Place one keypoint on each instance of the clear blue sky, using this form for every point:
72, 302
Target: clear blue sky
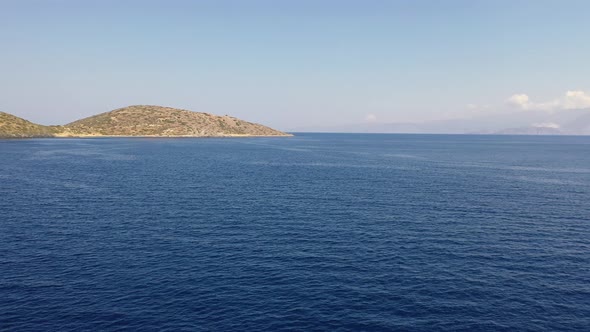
288, 63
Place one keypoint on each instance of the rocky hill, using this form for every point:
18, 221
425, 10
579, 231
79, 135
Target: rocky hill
141, 120
15, 127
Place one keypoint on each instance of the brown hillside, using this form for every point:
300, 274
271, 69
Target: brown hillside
14, 127
144, 120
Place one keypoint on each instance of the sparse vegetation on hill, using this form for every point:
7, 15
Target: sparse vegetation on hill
141, 120
15, 127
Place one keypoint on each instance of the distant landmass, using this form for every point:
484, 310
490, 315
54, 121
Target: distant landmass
565, 122
141, 121
15, 127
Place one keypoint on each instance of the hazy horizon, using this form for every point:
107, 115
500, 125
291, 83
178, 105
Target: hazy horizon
292, 65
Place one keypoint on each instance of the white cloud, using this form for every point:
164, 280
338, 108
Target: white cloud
371, 118
477, 107
576, 100
519, 100
546, 125
571, 100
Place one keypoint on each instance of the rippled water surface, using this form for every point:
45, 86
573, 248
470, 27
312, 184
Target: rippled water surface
316, 232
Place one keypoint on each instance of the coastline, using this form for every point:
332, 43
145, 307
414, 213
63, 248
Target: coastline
60, 136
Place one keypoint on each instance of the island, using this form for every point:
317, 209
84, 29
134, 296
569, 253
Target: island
139, 121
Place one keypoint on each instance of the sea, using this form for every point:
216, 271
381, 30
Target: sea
317, 232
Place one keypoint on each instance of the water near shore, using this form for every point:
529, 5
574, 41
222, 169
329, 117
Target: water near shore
315, 232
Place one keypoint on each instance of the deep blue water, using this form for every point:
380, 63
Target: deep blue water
331, 232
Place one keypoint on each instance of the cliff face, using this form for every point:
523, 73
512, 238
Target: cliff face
152, 121
15, 127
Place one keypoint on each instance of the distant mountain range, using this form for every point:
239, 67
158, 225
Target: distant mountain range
139, 120
566, 122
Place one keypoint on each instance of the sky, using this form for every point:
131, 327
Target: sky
294, 63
